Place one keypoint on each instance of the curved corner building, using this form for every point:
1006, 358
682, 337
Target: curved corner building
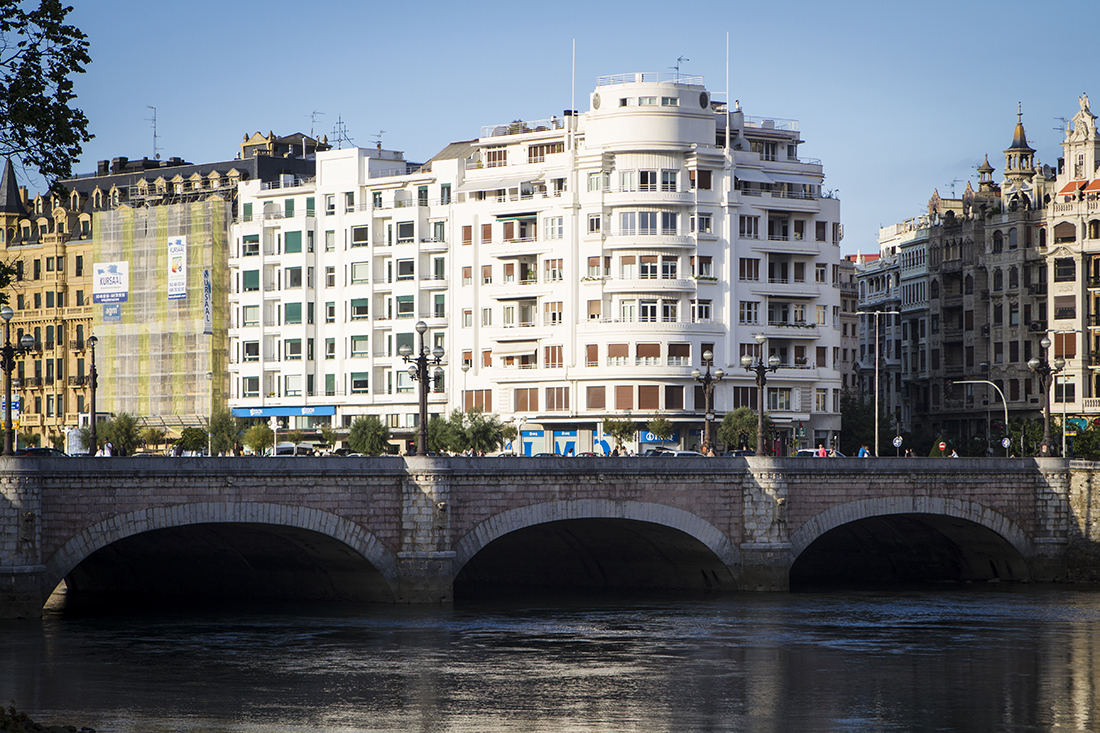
573, 268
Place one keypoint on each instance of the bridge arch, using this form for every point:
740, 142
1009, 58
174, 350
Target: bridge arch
675, 525
106, 532
933, 510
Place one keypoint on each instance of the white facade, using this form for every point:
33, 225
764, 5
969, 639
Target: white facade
579, 266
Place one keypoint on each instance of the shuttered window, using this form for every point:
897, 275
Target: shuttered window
596, 399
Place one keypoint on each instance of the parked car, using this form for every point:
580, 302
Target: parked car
740, 452
812, 453
41, 453
684, 453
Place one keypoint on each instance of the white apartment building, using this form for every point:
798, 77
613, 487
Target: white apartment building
573, 269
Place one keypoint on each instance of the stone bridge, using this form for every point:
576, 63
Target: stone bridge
418, 530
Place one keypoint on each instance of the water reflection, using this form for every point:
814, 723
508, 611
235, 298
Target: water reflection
983, 659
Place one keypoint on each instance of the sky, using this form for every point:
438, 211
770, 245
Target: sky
897, 98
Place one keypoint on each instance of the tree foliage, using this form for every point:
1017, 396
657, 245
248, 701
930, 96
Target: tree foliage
152, 437
738, 429
661, 427
259, 438
122, 432
472, 431
369, 435
223, 432
39, 56
620, 429
193, 440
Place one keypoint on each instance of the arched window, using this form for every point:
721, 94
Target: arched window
998, 241
935, 289
1012, 243
1094, 229
968, 285
1042, 236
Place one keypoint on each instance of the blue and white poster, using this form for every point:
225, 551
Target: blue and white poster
110, 282
177, 268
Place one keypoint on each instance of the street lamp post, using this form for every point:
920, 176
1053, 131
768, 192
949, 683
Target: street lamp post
7, 363
876, 314
1045, 372
708, 381
465, 368
93, 382
418, 370
1004, 402
761, 369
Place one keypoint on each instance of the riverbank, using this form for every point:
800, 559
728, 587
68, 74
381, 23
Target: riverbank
13, 721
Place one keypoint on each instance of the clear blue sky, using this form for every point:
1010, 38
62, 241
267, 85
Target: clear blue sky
897, 98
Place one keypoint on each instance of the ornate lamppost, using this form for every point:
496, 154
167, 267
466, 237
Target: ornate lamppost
7, 363
93, 382
708, 381
418, 370
761, 369
1045, 372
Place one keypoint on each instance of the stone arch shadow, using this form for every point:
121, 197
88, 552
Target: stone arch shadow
884, 507
104, 533
666, 518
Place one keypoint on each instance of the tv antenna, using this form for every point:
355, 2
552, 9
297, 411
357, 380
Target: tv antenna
153, 119
1063, 120
313, 119
340, 134
679, 61
378, 139
952, 183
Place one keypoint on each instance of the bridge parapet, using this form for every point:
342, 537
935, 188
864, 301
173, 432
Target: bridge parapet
420, 519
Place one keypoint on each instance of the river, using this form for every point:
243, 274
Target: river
990, 658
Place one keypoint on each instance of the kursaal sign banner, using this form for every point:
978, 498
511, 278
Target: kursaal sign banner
110, 282
177, 268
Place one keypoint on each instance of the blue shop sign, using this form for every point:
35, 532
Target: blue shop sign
310, 411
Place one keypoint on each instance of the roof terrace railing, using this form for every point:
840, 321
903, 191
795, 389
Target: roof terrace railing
649, 77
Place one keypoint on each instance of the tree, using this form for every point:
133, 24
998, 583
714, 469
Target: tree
122, 432
193, 440
259, 438
330, 436
39, 55
223, 432
152, 437
438, 435
620, 429
294, 437
369, 435
738, 429
28, 438
484, 433
661, 427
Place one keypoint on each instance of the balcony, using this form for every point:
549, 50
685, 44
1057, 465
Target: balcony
1037, 326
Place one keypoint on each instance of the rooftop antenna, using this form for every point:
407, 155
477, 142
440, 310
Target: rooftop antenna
952, 183
378, 139
340, 133
153, 119
313, 119
679, 61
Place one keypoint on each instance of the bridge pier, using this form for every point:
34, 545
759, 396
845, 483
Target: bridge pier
425, 560
22, 574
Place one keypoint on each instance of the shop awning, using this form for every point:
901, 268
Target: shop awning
495, 184
796, 180
1093, 187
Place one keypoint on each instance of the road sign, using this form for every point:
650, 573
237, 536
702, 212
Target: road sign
897, 442
943, 446
1006, 442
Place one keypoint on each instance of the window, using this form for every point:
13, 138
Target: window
251, 351
467, 318
701, 224
250, 315
647, 101
749, 227
596, 398
779, 398
553, 313
250, 247
292, 349
496, 157
250, 281
553, 227
405, 270
628, 223
701, 311
349, 201
557, 399
445, 194
330, 204
293, 277
821, 227
648, 267
669, 223
552, 357
749, 311
292, 243
360, 382
486, 274
1064, 269
292, 313
704, 266
359, 237
749, 269
1065, 306
405, 231
669, 268
647, 180
359, 347
700, 179
359, 309
250, 387
405, 306
486, 316
668, 180
647, 223
820, 273
670, 101
553, 270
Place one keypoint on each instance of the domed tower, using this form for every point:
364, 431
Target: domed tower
985, 175
1019, 167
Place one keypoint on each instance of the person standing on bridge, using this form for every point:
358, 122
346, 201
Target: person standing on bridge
863, 452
